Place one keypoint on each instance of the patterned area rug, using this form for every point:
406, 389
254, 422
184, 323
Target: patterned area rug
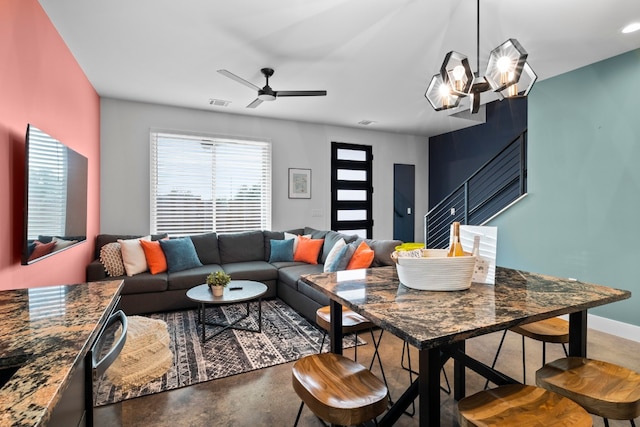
286, 336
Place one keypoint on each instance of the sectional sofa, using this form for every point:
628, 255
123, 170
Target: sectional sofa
245, 256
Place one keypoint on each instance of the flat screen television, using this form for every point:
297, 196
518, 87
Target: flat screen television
55, 199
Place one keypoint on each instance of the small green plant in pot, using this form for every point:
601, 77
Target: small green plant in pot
217, 281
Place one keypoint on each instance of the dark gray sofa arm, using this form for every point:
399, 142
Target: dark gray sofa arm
95, 271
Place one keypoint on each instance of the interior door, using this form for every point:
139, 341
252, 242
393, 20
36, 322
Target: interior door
404, 202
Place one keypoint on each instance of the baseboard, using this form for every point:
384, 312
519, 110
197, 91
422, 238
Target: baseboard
612, 327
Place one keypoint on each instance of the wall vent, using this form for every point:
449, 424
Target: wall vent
219, 102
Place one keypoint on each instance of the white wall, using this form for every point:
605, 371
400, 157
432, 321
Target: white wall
124, 145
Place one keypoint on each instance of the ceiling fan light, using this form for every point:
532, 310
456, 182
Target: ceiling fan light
456, 73
505, 65
266, 96
439, 94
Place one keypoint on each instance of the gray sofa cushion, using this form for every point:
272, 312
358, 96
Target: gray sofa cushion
187, 279
315, 234
314, 294
239, 247
207, 248
296, 231
290, 275
383, 250
268, 236
330, 239
251, 270
144, 283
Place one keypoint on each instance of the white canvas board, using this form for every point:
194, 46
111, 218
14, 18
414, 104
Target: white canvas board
485, 269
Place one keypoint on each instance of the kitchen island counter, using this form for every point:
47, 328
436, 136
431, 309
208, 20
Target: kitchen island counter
48, 331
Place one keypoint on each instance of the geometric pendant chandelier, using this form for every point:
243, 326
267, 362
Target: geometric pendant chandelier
508, 74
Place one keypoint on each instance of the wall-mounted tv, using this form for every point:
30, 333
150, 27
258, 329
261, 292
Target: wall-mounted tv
55, 200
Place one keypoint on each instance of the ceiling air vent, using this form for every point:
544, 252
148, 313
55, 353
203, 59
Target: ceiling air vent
366, 122
219, 102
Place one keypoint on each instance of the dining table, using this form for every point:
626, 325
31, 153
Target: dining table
438, 323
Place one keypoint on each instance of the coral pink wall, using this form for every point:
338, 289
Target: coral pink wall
41, 83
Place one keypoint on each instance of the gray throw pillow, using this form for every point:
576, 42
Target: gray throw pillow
207, 248
342, 259
241, 247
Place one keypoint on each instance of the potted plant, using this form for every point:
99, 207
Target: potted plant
217, 281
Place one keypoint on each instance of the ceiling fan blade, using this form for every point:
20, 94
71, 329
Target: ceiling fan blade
238, 79
301, 93
255, 103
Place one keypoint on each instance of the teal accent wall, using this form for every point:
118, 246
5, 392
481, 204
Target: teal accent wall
581, 218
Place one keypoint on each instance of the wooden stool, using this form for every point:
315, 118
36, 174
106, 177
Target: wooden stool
338, 390
521, 405
352, 322
602, 388
554, 330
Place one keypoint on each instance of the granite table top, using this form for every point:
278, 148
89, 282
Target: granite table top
428, 319
49, 329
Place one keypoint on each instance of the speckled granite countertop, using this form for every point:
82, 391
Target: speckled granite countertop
53, 327
428, 319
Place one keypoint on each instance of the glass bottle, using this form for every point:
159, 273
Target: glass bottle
456, 247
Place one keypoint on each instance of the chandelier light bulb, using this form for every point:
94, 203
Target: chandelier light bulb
458, 74
444, 93
504, 64
444, 90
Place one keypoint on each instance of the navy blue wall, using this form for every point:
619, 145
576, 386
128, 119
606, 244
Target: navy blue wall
454, 156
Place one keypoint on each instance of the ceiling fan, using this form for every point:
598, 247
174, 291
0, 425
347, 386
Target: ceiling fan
266, 93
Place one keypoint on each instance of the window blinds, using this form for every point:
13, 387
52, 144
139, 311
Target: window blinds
47, 186
202, 184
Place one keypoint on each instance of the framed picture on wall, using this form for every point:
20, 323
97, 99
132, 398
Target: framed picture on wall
299, 183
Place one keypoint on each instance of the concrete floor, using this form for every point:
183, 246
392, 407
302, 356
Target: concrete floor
266, 397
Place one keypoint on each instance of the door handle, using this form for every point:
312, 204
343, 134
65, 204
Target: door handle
100, 366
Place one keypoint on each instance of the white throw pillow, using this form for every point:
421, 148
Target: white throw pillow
133, 255
295, 238
333, 253
61, 243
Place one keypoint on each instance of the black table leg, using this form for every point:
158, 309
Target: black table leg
578, 334
259, 314
336, 327
459, 387
429, 387
201, 315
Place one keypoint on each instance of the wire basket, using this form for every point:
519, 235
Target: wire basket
434, 271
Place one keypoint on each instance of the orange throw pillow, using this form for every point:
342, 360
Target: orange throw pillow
362, 257
156, 261
41, 249
308, 250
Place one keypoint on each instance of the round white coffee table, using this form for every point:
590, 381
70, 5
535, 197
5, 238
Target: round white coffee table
237, 291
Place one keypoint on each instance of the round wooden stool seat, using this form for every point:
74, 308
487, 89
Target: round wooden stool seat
351, 321
521, 405
339, 390
602, 388
552, 330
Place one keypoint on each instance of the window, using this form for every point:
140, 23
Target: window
351, 189
201, 184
